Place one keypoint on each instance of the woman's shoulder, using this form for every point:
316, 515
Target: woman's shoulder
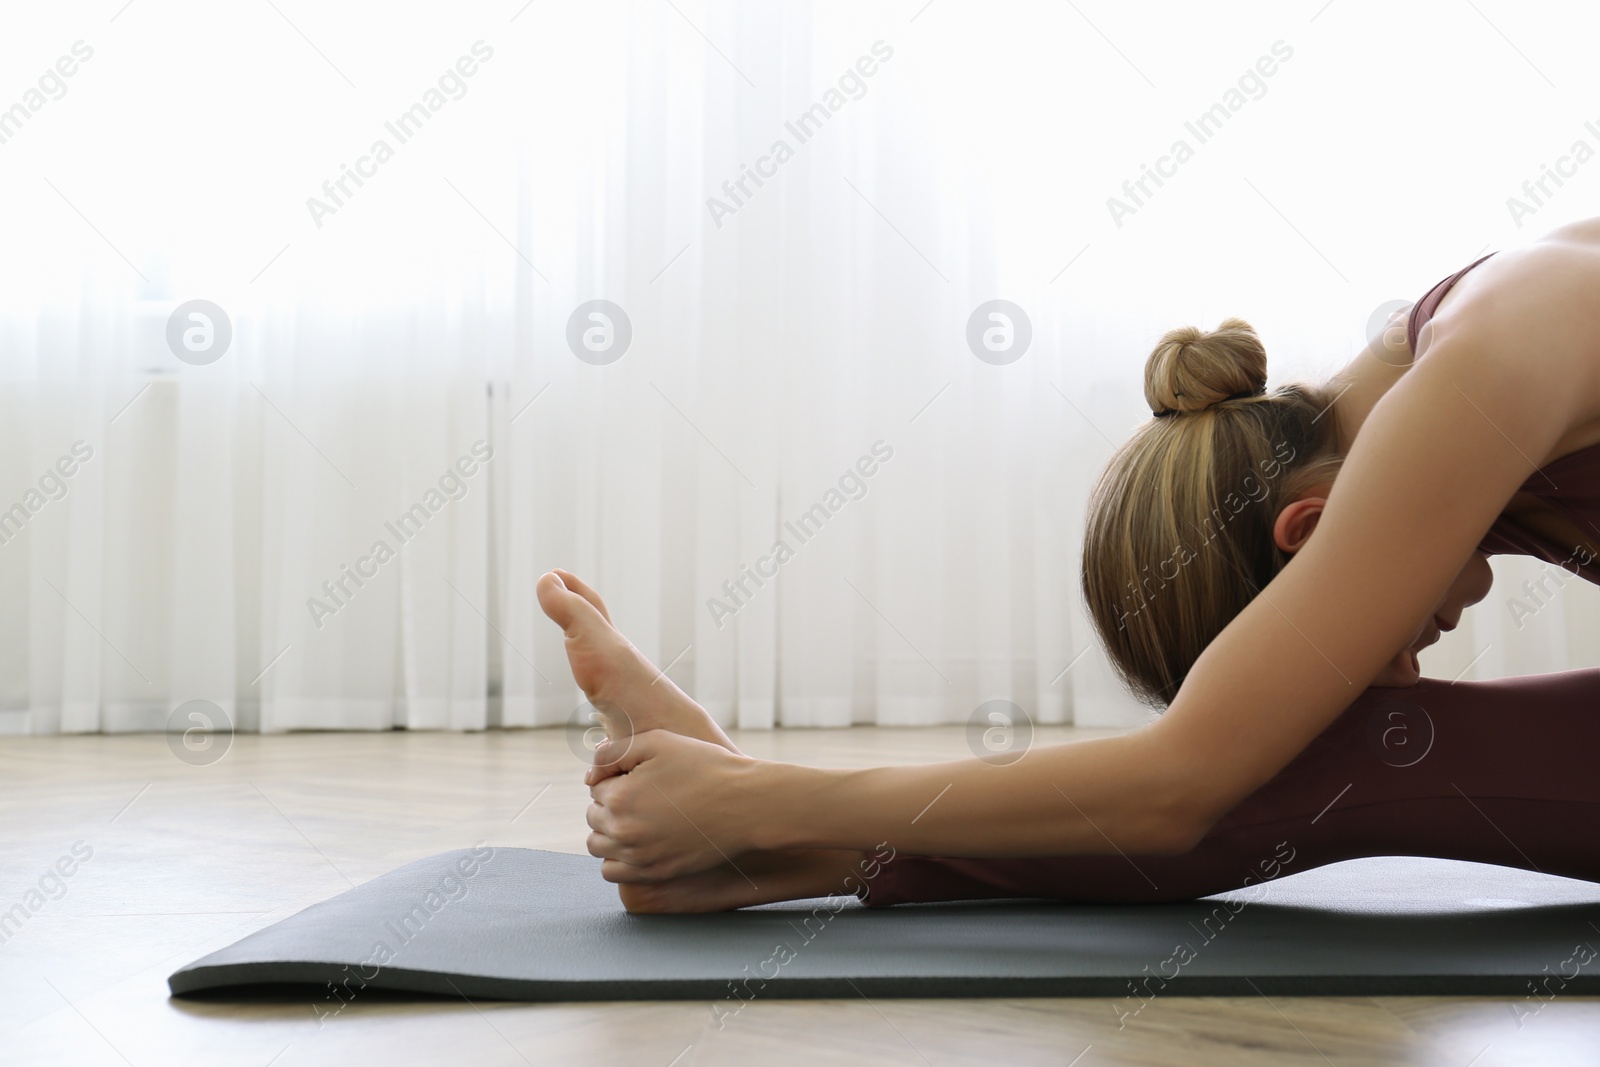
1528, 318
1542, 292
1530, 310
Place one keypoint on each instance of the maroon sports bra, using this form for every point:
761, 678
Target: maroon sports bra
1569, 484
1423, 309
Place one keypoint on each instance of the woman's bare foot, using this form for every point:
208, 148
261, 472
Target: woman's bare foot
630, 694
754, 878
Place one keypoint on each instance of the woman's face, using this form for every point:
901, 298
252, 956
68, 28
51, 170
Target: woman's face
1469, 587
1298, 521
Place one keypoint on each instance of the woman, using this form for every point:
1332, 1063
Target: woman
1236, 579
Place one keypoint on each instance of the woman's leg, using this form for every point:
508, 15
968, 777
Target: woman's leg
1499, 772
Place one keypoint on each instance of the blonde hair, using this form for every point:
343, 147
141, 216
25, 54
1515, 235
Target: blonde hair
1179, 535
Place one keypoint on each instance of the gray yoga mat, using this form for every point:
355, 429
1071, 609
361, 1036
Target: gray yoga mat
530, 925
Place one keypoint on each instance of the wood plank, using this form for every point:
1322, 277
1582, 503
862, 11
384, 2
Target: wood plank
189, 858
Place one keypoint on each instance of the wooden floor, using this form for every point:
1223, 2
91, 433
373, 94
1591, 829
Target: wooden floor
188, 858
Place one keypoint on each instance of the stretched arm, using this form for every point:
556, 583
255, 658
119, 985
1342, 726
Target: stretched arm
1434, 464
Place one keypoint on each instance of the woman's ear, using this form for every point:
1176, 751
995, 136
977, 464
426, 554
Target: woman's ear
1296, 521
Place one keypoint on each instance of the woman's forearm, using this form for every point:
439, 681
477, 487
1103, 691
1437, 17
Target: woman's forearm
1127, 793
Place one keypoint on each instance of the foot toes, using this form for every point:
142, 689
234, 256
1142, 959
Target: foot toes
566, 608
583, 589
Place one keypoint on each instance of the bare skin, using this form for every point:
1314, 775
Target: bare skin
613, 674
1294, 527
1506, 378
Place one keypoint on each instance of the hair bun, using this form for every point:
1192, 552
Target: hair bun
1191, 370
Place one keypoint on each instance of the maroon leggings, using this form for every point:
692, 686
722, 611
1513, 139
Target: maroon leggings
1498, 772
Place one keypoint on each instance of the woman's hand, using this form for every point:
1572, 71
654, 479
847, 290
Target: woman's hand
756, 878
670, 806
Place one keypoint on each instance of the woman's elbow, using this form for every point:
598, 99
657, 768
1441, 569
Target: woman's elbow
1180, 810
1166, 831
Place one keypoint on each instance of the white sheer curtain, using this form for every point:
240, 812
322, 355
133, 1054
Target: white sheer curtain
799, 331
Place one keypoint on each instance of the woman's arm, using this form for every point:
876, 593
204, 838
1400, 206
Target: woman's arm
1508, 381
1433, 466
